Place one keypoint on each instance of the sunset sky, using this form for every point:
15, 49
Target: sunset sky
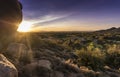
71, 15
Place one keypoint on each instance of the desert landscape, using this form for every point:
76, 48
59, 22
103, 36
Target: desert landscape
66, 54
59, 38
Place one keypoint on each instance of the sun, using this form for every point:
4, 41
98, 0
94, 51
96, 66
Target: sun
25, 26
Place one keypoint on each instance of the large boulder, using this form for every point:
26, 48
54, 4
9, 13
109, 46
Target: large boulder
45, 63
19, 53
10, 18
40, 68
10, 15
7, 69
18, 50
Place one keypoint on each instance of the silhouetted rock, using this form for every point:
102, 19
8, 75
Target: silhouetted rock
10, 15
7, 69
10, 18
113, 29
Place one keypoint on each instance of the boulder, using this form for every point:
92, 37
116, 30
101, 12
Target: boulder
18, 50
58, 74
113, 74
41, 63
41, 68
10, 16
7, 69
45, 63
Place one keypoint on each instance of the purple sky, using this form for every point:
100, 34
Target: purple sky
72, 15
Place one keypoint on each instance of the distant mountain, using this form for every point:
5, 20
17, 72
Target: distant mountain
113, 29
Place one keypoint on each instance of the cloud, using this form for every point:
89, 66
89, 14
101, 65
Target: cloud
39, 8
48, 19
58, 13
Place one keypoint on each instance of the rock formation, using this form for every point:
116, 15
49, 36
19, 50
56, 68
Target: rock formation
7, 69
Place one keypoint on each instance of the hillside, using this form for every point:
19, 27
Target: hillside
66, 54
113, 29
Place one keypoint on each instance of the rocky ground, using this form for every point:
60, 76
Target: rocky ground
62, 55
46, 63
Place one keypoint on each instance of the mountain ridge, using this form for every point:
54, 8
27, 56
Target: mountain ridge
112, 29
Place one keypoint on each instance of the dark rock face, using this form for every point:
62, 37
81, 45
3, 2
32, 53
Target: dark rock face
10, 15
10, 18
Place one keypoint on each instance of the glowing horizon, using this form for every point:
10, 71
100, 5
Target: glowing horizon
71, 15
29, 26
25, 26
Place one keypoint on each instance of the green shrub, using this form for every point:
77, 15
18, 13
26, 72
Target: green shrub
113, 56
113, 60
91, 59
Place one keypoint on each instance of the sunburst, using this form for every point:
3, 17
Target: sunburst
25, 26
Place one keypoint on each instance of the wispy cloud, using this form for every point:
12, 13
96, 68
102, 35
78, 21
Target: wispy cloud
49, 18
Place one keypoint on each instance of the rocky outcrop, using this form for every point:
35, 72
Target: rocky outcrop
45, 63
18, 50
7, 69
41, 68
10, 15
19, 53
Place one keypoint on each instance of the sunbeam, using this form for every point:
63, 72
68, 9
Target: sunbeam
25, 26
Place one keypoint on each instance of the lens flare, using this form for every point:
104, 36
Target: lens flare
25, 26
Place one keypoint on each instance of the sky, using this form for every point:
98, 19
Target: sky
71, 15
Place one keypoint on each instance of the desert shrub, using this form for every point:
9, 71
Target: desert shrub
113, 60
113, 56
37, 43
91, 59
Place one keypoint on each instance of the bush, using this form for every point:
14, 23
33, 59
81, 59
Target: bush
91, 59
113, 56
